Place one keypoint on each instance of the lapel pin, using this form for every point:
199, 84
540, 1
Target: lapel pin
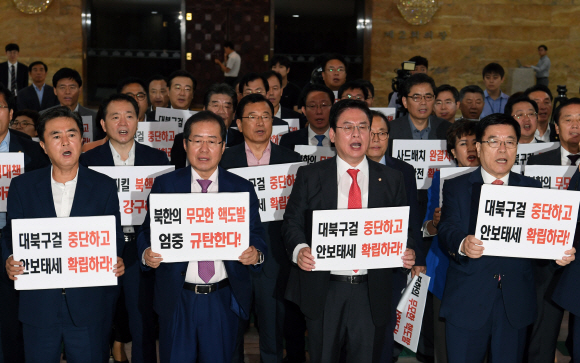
380, 179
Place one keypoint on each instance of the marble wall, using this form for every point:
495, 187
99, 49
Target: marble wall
468, 34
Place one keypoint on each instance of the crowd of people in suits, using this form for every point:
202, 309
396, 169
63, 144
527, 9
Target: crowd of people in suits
479, 307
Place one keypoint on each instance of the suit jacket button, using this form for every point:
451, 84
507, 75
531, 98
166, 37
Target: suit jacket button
495, 277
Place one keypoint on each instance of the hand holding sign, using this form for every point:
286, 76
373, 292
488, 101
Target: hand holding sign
408, 258
570, 256
249, 256
472, 247
305, 259
152, 259
119, 268
14, 268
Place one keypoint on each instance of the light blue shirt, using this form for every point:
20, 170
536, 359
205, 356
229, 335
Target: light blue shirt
420, 135
4, 148
493, 106
39, 92
383, 160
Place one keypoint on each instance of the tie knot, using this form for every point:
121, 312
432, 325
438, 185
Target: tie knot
204, 184
353, 173
319, 138
573, 158
497, 182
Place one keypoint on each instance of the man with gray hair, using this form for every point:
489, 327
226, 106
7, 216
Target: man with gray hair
471, 102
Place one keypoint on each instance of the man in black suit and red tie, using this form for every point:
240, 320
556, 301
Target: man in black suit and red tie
13, 75
349, 309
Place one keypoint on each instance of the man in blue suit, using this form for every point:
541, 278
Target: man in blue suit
52, 317
198, 312
120, 118
488, 300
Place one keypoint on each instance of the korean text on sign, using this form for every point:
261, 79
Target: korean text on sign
199, 226
410, 312
526, 150
526, 222
426, 156
11, 165
65, 252
551, 176
347, 239
158, 135
313, 154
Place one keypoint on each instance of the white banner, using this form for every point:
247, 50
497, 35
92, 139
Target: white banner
313, 154
200, 226
11, 165
163, 114
551, 176
527, 150
347, 239
133, 185
526, 222
273, 185
390, 112
410, 312
158, 135
426, 156
277, 132
293, 124
65, 252
88, 131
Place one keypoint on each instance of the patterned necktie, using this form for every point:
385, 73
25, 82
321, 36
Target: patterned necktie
205, 269
573, 158
319, 138
354, 197
13, 78
497, 182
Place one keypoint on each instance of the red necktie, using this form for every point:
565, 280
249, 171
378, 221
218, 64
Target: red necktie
354, 197
497, 182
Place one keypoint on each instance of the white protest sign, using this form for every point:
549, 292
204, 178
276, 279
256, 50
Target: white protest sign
164, 114
526, 150
88, 131
158, 135
133, 185
426, 156
273, 184
347, 239
277, 132
526, 222
390, 112
551, 176
313, 154
410, 312
200, 226
293, 124
11, 165
65, 252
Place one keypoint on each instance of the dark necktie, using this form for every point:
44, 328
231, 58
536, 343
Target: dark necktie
573, 158
13, 80
319, 138
205, 269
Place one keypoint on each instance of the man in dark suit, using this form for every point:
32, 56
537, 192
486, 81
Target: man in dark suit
34, 158
498, 311
269, 286
525, 112
198, 318
543, 97
353, 90
275, 95
543, 335
13, 75
347, 180
73, 317
38, 96
120, 121
316, 101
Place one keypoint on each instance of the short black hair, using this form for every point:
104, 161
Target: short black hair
415, 79
228, 44
420, 61
269, 74
509, 106
568, 102
280, 59
56, 112
457, 130
35, 64
156, 77
539, 87
353, 85
181, 73
204, 116
250, 77
250, 99
342, 105
12, 46
314, 87
543, 46
493, 68
8, 97
447, 88
470, 89
496, 119
117, 97
32, 114
220, 89
375, 113
336, 56
67, 73
368, 85
130, 80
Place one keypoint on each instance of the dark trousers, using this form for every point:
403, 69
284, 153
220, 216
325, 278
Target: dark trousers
11, 331
576, 336
506, 344
346, 321
440, 343
82, 344
202, 329
294, 333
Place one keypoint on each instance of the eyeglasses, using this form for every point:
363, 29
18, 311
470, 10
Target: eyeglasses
258, 91
448, 102
314, 107
521, 116
139, 96
71, 88
212, 144
254, 118
185, 89
21, 123
493, 143
351, 97
382, 135
2, 106
339, 70
417, 98
348, 129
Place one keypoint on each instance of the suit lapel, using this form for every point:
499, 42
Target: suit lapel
304, 136
140, 158
16, 147
44, 190
224, 182
107, 154
182, 183
82, 196
327, 175
476, 181
377, 186
433, 132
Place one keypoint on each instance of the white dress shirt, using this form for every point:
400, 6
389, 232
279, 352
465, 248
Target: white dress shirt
344, 183
129, 162
565, 161
63, 195
313, 141
545, 137
279, 113
192, 275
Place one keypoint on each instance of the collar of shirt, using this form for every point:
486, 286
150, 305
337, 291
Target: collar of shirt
5, 144
196, 188
534, 141
77, 108
117, 157
279, 113
325, 142
383, 160
488, 178
420, 135
251, 158
39, 89
545, 137
13, 64
63, 195
565, 160
501, 95
342, 167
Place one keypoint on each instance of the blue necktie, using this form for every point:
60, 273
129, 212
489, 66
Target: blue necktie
319, 138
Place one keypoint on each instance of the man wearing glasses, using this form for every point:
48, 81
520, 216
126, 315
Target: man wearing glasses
353, 90
316, 101
334, 72
181, 90
135, 87
525, 112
